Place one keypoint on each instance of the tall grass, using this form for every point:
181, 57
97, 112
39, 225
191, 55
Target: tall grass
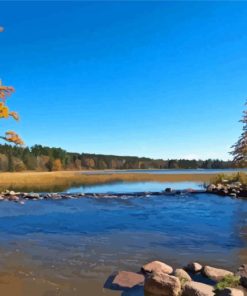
59, 181
230, 178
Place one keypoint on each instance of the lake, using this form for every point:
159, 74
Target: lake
126, 187
166, 171
70, 247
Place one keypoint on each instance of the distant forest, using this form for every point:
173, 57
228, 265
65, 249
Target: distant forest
41, 158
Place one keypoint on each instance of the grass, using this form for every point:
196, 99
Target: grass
59, 181
231, 178
229, 281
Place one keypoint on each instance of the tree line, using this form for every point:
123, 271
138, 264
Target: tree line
42, 158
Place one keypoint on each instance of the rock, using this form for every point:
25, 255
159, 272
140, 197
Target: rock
242, 272
125, 279
182, 275
215, 274
157, 266
168, 190
33, 196
194, 267
197, 289
230, 292
14, 198
211, 187
220, 186
12, 192
162, 284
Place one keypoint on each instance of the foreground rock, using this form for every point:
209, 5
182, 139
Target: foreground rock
197, 289
230, 292
242, 272
157, 266
215, 274
182, 275
162, 284
194, 267
126, 279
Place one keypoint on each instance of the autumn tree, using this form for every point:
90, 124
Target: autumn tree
5, 92
240, 148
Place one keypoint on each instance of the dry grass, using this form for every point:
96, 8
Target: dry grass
59, 181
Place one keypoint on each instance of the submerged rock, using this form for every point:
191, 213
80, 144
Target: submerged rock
162, 284
215, 274
126, 279
157, 266
197, 289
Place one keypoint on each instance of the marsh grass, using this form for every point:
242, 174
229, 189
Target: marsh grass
230, 178
60, 181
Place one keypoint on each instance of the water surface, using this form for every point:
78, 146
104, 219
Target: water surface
127, 187
70, 247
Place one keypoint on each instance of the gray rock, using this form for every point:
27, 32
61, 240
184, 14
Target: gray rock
197, 289
211, 187
33, 195
162, 284
125, 279
215, 274
157, 266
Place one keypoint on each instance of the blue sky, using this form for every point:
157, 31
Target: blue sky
156, 79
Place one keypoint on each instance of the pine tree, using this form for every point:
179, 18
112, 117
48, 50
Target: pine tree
240, 148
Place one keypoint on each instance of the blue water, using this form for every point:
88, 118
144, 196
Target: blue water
88, 239
167, 171
127, 187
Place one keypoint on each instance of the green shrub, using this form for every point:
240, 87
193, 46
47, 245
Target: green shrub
229, 281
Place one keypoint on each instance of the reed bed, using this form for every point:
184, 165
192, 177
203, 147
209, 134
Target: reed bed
59, 181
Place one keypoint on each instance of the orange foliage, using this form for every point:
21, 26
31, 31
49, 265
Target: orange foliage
10, 136
57, 165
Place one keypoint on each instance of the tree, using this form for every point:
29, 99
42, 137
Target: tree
57, 165
240, 148
6, 91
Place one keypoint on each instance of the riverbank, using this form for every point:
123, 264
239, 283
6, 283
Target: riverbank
44, 181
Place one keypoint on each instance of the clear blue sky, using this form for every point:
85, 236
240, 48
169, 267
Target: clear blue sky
156, 79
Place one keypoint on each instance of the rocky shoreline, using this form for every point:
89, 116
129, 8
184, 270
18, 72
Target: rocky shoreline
226, 188
232, 190
159, 279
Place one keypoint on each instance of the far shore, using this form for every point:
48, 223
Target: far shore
42, 180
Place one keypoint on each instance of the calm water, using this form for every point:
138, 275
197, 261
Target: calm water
166, 171
126, 187
72, 246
